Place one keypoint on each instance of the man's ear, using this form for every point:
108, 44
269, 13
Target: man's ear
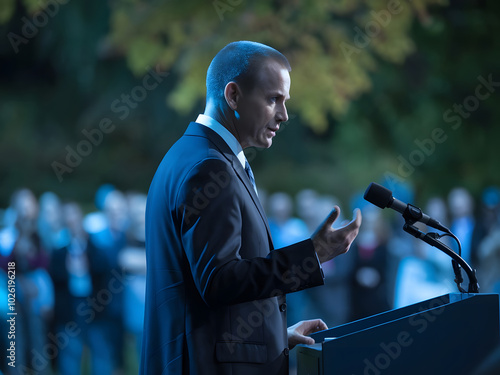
232, 94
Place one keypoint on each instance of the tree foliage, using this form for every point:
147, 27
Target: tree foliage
332, 45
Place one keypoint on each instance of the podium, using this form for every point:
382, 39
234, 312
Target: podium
450, 334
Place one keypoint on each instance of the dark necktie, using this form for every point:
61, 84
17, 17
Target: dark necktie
250, 175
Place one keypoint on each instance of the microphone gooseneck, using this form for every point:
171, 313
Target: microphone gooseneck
382, 197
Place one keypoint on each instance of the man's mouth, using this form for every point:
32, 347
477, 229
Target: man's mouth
275, 130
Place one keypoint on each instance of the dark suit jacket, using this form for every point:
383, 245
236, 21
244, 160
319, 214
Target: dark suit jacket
215, 287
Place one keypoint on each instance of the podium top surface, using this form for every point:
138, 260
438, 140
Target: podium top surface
434, 304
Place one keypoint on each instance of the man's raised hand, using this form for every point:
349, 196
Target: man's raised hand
328, 242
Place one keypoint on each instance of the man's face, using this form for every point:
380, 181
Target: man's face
262, 109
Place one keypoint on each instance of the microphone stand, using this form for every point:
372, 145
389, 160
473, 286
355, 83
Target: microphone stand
411, 216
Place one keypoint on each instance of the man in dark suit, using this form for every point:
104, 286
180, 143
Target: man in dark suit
215, 298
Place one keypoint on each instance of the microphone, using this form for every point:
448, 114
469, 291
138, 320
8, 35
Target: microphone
382, 197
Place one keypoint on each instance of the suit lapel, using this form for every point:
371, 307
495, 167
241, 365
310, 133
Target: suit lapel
248, 185
201, 130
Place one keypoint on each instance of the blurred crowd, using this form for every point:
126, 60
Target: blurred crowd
80, 276
79, 279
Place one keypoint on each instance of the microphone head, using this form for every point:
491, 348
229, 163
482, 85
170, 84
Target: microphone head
378, 195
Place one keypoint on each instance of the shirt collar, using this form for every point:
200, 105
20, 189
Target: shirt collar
225, 134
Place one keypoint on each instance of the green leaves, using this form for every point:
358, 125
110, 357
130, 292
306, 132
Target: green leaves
333, 47
6, 10
372, 80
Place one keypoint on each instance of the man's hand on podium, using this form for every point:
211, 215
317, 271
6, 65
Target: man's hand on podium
297, 334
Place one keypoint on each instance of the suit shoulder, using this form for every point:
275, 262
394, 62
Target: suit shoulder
209, 170
191, 163
194, 149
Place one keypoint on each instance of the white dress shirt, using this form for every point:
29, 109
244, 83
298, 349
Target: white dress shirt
226, 135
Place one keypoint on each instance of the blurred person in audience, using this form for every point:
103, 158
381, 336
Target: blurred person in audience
463, 223
322, 204
104, 251
306, 202
286, 230
8, 231
436, 208
132, 260
70, 271
311, 208
489, 248
489, 212
96, 221
369, 290
50, 223
489, 266
34, 288
441, 263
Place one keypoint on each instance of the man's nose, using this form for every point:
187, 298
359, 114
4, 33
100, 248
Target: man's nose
282, 114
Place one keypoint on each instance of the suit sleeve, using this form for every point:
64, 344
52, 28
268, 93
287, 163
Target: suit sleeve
209, 216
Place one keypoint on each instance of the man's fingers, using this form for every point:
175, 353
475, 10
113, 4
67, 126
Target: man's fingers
308, 340
318, 325
315, 325
322, 325
359, 218
356, 221
332, 217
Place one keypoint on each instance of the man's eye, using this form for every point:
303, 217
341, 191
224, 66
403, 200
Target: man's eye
273, 99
